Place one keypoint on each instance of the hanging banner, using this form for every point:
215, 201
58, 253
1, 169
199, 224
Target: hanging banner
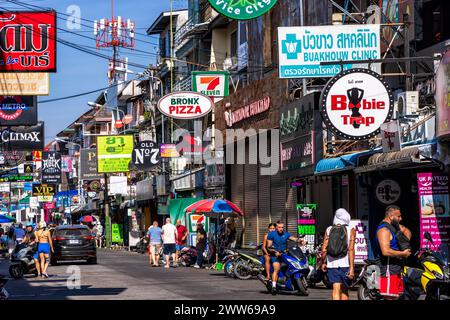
214, 84
362, 234
434, 207
306, 225
302, 49
88, 159
169, 151
51, 167
114, 153
390, 136
145, 155
185, 105
25, 84
67, 164
18, 110
242, 9
28, 41
25, 138
356, 103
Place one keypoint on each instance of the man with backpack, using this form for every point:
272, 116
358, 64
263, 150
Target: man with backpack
338, 254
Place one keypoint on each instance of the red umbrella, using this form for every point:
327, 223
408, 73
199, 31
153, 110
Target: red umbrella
211, 207
86, 219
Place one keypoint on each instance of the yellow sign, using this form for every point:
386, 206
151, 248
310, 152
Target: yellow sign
45, 198
25, 84
114, 153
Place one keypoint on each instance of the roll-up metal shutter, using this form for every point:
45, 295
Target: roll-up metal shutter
278, 198
264, 200
291, 210
237, 195
251, 205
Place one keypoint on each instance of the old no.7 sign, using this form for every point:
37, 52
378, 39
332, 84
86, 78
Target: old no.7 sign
146, 155
185, 105
28, 41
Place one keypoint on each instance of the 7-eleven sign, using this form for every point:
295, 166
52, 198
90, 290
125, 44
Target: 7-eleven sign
214, 84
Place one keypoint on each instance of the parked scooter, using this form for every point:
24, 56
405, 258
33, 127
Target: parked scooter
293, 272
228, 261
188, 256
4, 295
431, 282
247, 265
22, 262
142, 245
317, 275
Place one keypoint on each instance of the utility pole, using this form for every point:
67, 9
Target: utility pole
302, 23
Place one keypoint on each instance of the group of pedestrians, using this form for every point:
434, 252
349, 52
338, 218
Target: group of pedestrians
169, 240
391, 249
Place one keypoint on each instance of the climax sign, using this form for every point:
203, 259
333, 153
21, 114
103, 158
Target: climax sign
185, 105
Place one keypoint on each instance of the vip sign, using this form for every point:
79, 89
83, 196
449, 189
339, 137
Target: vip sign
355, 103
43, 190
242, 9
214, 84
185, 105
28, 41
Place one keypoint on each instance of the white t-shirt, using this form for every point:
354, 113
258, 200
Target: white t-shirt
169, 231
339, 262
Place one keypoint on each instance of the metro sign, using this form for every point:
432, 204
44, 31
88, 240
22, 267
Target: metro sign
214, 84
185, 105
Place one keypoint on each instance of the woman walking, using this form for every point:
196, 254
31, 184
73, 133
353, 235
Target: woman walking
45, 244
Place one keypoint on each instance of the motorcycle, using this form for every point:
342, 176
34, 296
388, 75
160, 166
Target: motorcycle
431, 282
228, 261
293, 273
317, 275
4, 295
142, 245
188, 256
247, 265
22, 262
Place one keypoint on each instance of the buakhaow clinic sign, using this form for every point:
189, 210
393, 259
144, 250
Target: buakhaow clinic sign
242, 9
355, 103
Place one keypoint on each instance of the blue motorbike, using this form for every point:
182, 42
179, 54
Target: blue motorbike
293, 272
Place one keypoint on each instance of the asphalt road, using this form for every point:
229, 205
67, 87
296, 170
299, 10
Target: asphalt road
126, 275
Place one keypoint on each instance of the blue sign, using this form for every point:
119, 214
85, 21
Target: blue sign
302, 49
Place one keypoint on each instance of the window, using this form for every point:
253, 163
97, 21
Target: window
233, 44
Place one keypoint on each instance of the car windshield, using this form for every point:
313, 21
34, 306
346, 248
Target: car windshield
73, 233
443, 253
296, 252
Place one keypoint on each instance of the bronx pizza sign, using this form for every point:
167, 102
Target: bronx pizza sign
355, 103
185, 105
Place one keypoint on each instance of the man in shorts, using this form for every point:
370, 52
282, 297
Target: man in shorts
169, 236
154, 240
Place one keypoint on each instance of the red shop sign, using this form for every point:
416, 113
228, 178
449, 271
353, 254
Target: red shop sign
28, 41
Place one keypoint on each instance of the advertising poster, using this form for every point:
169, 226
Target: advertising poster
51, 167
67, 164
88, 159
116, 233
169, 151
114, 153
23, 138
31, 49
306, 225
25, 84
362, 234
302, 49
434, 207
18, 111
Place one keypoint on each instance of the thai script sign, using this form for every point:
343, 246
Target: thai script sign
114, 153
25, 84
302, 49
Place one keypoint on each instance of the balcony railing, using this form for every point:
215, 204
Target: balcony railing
183, 85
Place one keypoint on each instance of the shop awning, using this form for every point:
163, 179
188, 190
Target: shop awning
407, 158
338, 164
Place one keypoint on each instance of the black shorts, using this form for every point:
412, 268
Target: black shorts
169, 248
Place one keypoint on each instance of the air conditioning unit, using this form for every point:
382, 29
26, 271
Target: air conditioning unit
407, 103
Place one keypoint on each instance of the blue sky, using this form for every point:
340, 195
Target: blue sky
79, 72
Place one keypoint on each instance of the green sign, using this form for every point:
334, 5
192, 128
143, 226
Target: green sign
16, 178
117, 233
242, 9
307, 229
114, 153
214, 84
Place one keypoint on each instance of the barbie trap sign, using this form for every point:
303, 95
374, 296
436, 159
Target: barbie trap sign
355, 103
434, 207
28, 41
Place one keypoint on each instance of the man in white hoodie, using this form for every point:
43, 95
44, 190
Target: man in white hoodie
338, 252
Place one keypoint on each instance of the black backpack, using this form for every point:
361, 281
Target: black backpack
337, 242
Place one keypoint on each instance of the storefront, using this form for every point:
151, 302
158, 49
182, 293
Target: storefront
262, 197
145, 212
